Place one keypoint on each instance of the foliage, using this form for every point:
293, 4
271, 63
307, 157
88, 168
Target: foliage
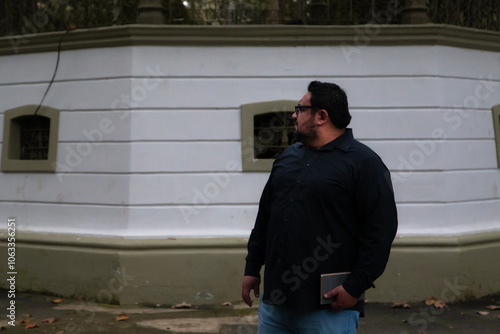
33, 16
479, 14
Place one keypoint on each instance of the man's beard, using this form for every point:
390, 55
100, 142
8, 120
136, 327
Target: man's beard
307, 137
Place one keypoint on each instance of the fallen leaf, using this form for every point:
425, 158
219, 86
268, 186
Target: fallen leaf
57, 301
430, 301
493, 307
400, 305
60, 332
30, 326
496, 316
121, 317
437, 303
483, 312
182, 305
227, 304
440, 304
49, 320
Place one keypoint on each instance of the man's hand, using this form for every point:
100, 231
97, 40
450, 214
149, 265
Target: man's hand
249, 283
342, 299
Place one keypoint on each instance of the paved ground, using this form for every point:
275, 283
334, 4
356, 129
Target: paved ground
48, 314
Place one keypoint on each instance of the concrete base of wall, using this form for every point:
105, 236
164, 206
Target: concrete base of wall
205, 271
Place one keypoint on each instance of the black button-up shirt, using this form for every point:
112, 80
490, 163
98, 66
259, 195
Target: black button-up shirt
322, 211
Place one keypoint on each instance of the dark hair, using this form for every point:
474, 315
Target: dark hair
333, 99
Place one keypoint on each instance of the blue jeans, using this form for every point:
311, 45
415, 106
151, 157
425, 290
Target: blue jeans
282, 320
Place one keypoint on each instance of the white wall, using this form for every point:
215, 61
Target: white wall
149, 138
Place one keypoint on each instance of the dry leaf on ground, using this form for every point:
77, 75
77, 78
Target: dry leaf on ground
49, 320
31, 326
400, 305
493, 307
496, 316
57, 301
227, 304
121, 317
182, 305
437, 303
483, 312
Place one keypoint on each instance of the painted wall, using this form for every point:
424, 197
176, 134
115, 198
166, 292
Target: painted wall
149, 138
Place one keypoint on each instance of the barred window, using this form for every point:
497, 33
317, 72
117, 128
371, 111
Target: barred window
29, 139
273, 132
266, 129
33, 137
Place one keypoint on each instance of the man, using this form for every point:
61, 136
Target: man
328, 207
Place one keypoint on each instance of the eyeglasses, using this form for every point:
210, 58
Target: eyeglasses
297, 108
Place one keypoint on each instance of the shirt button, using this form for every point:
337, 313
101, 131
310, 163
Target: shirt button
308, 165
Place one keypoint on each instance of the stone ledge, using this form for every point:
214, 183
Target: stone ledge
120, 243
254, 35
159, 271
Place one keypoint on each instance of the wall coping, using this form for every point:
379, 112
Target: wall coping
254, 35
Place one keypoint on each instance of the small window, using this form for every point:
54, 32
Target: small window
267, 129
34, 133
273, 132
29, 139
496, 127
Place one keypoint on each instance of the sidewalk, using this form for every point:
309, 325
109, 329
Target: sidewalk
47, 314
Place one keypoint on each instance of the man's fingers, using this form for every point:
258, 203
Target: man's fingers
247, 299
250, 283
256, 291
245, 295
331, 293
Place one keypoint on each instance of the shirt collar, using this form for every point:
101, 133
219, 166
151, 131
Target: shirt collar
343, 142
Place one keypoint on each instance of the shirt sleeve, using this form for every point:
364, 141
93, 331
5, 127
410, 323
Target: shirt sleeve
377, 225
257, 243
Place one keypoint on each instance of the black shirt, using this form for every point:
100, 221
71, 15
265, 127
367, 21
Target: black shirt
322, 210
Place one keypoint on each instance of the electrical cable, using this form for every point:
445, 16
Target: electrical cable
55, 71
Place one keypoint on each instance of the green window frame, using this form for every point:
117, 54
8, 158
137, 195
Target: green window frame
496, 128
29, 139
266, 130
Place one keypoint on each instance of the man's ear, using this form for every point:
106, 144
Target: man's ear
323, 117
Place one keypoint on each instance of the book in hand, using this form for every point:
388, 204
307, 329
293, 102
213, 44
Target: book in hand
330, 282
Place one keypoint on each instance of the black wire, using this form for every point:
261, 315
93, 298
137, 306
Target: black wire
55, 71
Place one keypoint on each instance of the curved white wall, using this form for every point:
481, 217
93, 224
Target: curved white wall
150, 143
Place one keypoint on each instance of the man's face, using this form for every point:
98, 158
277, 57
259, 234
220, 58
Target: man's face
305, 126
